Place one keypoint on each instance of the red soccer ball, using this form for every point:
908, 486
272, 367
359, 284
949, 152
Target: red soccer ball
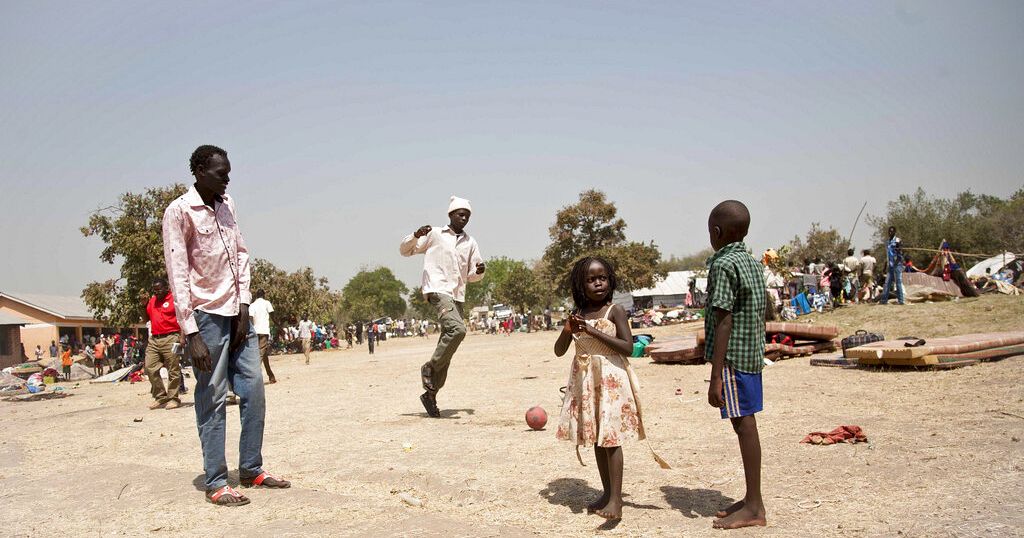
536, 417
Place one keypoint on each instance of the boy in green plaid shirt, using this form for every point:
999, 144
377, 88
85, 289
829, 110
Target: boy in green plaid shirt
734, 328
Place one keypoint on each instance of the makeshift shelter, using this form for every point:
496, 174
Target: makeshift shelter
992, 265
671, 291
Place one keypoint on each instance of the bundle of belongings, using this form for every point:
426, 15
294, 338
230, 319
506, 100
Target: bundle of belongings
782, 341
1003, 273
11, 384
785, 340
940, 353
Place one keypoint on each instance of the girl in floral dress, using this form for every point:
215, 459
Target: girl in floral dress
601, 407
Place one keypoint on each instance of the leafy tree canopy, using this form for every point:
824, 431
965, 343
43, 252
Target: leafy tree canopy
591, 227
373, 293
972, 223
828, 245
690, 262
131, 231
294, 294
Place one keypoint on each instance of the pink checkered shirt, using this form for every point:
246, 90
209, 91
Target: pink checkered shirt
207, 261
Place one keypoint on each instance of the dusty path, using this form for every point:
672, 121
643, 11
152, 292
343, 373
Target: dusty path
943, 460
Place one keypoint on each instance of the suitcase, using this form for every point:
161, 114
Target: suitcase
860, 338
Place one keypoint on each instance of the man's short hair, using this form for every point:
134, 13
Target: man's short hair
201, 156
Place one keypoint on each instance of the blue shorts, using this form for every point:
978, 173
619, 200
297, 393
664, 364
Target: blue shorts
743, 394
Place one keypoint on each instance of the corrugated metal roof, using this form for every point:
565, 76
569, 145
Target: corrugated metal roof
59, 305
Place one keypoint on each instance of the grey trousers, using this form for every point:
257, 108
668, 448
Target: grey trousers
453, 331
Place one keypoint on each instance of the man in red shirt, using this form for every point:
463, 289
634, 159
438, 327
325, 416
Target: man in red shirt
164, 333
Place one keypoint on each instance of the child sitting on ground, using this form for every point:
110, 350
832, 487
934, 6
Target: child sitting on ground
734, 328
601, 406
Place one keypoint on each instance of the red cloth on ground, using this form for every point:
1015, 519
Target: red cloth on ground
842, 434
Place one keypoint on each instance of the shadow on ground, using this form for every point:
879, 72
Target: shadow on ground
200, 481
694, 503
576, 494
445, 413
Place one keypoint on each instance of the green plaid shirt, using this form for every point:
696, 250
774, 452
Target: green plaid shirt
736, 284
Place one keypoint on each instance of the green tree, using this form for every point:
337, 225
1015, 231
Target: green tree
1007, 224
520, 288
373, 293
635, 264
591, 226
690, 262
131, 231
977, 224
418, 305
828, 245
294, 294
481, 292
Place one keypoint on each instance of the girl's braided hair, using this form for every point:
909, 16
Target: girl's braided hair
578, 278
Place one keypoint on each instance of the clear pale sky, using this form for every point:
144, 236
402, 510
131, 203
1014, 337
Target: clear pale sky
349, 125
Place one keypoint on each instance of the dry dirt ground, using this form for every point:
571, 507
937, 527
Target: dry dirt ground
944, 458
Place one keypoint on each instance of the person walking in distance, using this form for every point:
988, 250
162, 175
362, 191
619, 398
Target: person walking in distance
165, 332
894, 267
208, 268
260, 311
451, 260
306, 335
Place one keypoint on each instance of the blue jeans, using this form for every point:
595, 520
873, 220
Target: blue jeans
242, 369
893, 276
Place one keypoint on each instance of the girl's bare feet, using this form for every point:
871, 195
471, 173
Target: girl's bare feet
732, 508
612, 510
598, 504
744, 517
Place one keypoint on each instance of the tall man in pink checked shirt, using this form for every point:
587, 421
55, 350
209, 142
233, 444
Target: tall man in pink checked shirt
208, 269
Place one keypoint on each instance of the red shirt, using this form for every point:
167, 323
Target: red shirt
161, 316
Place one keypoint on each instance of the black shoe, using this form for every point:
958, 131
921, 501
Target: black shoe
426, 376
430, 404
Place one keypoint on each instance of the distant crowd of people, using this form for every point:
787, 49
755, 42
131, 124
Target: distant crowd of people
514, 322
818, 285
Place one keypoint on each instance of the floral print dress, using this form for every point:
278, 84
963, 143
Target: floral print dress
601, 405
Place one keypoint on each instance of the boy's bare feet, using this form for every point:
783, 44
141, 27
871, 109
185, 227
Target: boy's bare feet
732, 508
598, 504
744, 517
611, 511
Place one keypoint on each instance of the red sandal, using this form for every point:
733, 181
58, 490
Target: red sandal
214, 497
265, 480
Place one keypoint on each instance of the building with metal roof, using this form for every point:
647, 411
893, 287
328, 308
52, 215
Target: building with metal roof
41, 319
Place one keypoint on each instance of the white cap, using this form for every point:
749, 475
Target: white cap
459, 203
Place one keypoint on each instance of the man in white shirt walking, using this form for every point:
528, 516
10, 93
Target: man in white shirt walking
851, 266
867, 275
259, 313
451, 260
306, 335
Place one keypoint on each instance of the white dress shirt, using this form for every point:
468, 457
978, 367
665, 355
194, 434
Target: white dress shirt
449, 261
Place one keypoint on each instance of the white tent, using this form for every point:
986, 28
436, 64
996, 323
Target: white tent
671, 291
992, 265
